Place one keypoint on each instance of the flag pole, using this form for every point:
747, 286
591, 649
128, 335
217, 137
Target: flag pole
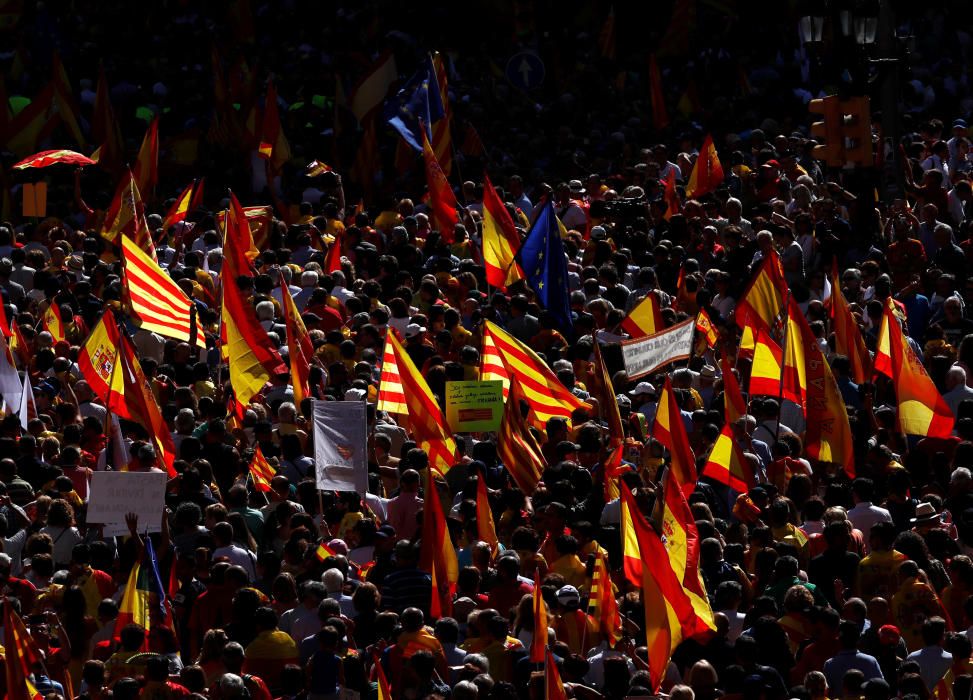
783, 360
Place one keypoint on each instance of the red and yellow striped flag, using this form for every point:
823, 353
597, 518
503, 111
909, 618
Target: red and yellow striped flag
442, 140
848, 338
299, 349
645, 318
507, 359
670, 430
538, 642
922, 409
261, 472
517, 447
52, 321
404, 390
602, 605
157, 302
187, 201
438, 556
126, 215
22, 655
486, 531
273, 144
147, 162
500, 240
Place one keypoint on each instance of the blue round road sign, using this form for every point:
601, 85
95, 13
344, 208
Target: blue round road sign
525, 70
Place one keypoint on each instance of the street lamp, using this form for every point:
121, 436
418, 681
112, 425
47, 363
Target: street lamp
811, 24
866, 22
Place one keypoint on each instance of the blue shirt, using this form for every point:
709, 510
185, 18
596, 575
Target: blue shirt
838, 665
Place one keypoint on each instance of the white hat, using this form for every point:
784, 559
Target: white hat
355, 395
642, 389
413, 329
566, 595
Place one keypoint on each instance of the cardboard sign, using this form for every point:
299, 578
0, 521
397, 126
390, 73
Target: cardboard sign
113, 494
474, 407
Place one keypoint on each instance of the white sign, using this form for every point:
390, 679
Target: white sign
340, 456
645, 355
114, 494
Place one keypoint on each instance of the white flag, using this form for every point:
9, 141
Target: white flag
340, 453
28, 409
11, 387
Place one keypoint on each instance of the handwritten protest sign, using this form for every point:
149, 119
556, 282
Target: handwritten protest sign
645, 355
113, 494
474, 407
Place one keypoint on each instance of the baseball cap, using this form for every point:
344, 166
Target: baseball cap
413, 329
567, 595
643, 389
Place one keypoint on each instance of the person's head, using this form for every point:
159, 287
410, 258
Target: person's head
848, 634
933, 631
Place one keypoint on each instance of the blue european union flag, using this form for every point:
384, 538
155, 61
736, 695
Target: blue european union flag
546, 267
418, 100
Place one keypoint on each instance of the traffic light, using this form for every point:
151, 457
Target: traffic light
856, 129
831, 146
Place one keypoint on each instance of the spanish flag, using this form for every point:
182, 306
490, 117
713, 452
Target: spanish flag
507, 359
442, 201
733, 402
486, 531
96, 360
922, 410
147, 162
707, 331
778, 371
144, 596
500, 240
848, 338
261, 472
645, 318
273, 143
763, 302
517, 447
404, 390
670, 430
187, 201
438, 555
22, 655
52, 321
538, 642
126, 215
707, 172
553, 687
726, 463
299, 349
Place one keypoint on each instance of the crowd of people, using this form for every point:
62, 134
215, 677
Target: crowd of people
825, 580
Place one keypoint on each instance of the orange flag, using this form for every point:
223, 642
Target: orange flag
442, 140
645, 318
553, 687
147, 162
438, 556
828, 435
486, 531
660, 117
273, 144
187, 201
734, 404
21, 656
707, 172
726, 463
848, 338
442, 201
670, 430
299, 348
922, 409
538, 643
671, 196
601, 386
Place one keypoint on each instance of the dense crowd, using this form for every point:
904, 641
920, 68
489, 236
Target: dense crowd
825, 580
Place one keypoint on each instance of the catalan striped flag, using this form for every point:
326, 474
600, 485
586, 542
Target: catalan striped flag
500, 240
442, 140
52, 322
187, 201
538, 642
22, 655
126, 215
517, 447
486, 531
602, 605
157, 302
147, 161
437, 555
670, 430
299, 349
403, 387
507, 359
848, 338
261, 472
645, 318
922, 409
273, 144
